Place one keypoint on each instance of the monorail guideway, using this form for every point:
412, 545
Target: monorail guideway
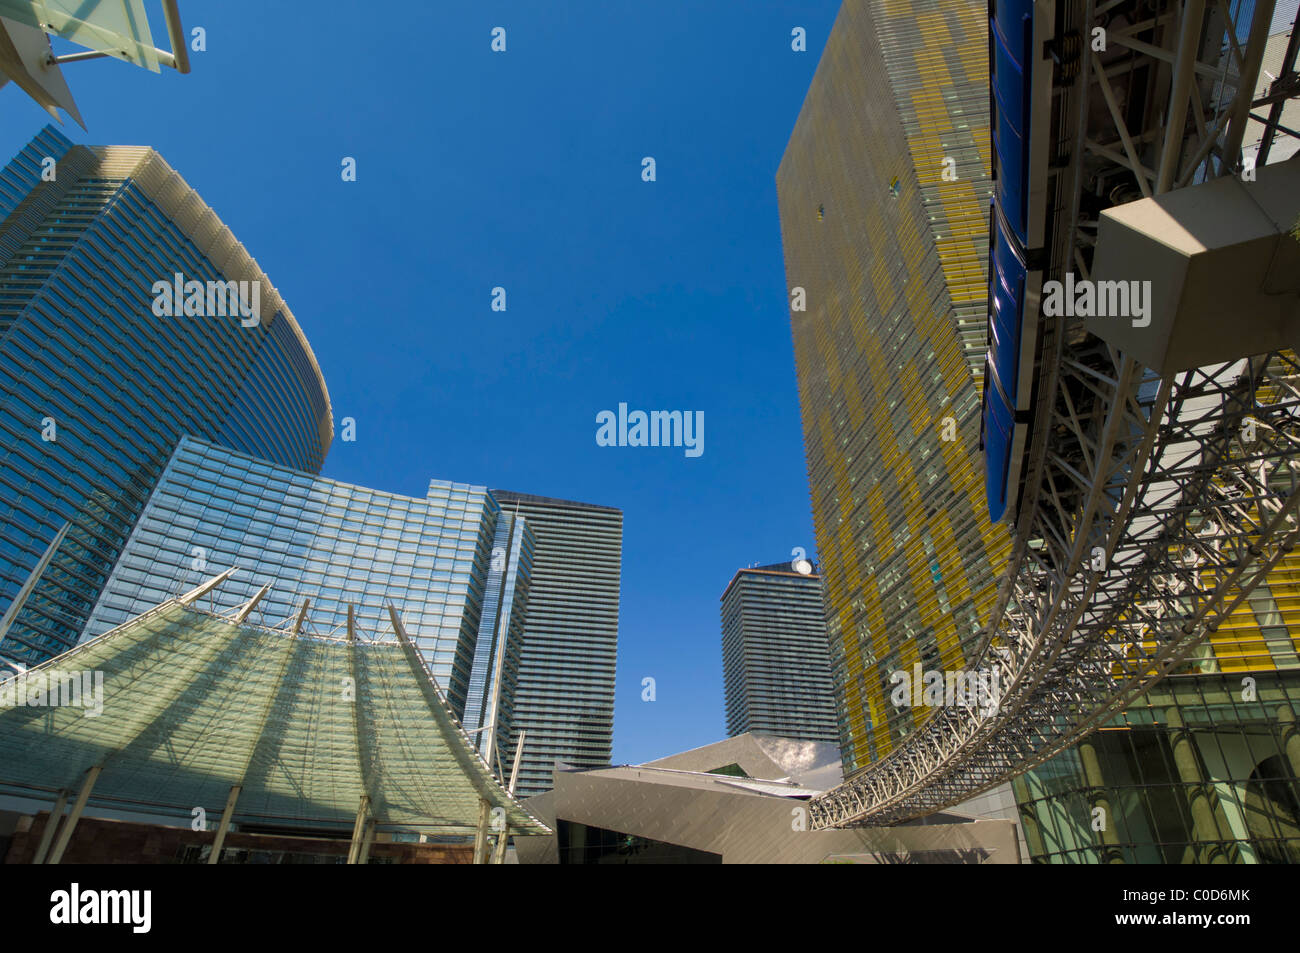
1146, 467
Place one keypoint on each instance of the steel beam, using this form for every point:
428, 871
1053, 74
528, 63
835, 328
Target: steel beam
52, 822
1189, 37
499, 855
1120, 125
243, 611
363, 811
224, 827
70, 823
32, 579
1259, 26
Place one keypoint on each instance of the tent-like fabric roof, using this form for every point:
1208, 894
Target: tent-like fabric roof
194, 703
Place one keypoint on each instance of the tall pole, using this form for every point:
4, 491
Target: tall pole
481, 835
358, 829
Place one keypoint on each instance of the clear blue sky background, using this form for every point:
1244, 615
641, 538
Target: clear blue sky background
522, 169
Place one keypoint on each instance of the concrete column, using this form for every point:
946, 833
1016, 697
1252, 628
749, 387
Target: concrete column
1204, 848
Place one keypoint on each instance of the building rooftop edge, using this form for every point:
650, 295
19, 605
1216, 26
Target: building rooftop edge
176, 198
534, 498
766, 571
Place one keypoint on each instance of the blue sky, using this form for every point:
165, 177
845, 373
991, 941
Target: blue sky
522, 170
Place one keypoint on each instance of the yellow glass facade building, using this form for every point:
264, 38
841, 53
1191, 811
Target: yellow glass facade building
884, 191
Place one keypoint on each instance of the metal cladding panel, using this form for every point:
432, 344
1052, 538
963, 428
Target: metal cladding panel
891, 255
1214, 266
119, 28
539, 850
711, 814
762, 756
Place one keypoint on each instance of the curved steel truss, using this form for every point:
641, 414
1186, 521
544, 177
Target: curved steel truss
1151, 506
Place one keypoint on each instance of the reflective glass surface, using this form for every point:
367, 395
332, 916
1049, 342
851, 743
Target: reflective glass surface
96, 389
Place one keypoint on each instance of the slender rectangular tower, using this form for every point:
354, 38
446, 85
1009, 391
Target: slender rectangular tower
775, 666
564, 695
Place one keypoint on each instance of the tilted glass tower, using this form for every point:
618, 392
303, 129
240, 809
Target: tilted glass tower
340, 546
96, 387
564, 699
775, 665
883, 193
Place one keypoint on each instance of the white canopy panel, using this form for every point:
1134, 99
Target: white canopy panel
191, 703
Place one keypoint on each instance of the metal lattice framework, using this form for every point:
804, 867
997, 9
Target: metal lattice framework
1151, 506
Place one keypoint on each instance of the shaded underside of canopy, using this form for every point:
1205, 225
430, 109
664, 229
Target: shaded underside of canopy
194, 703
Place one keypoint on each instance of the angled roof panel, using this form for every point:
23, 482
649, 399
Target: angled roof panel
119, 28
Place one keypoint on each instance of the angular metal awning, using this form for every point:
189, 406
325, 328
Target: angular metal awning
286, 729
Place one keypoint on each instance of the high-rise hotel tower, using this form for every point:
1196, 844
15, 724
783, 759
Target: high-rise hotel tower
564, 692
97, 386
775, 668
884, 191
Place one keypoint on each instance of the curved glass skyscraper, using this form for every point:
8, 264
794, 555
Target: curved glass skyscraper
129, 317
453, 564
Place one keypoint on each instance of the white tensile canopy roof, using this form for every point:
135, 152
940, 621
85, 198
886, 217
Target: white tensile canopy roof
194, 704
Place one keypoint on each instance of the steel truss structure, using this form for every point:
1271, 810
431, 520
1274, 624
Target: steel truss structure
1150, 507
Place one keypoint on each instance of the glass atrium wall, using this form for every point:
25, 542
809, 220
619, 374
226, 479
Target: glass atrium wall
1204, 769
